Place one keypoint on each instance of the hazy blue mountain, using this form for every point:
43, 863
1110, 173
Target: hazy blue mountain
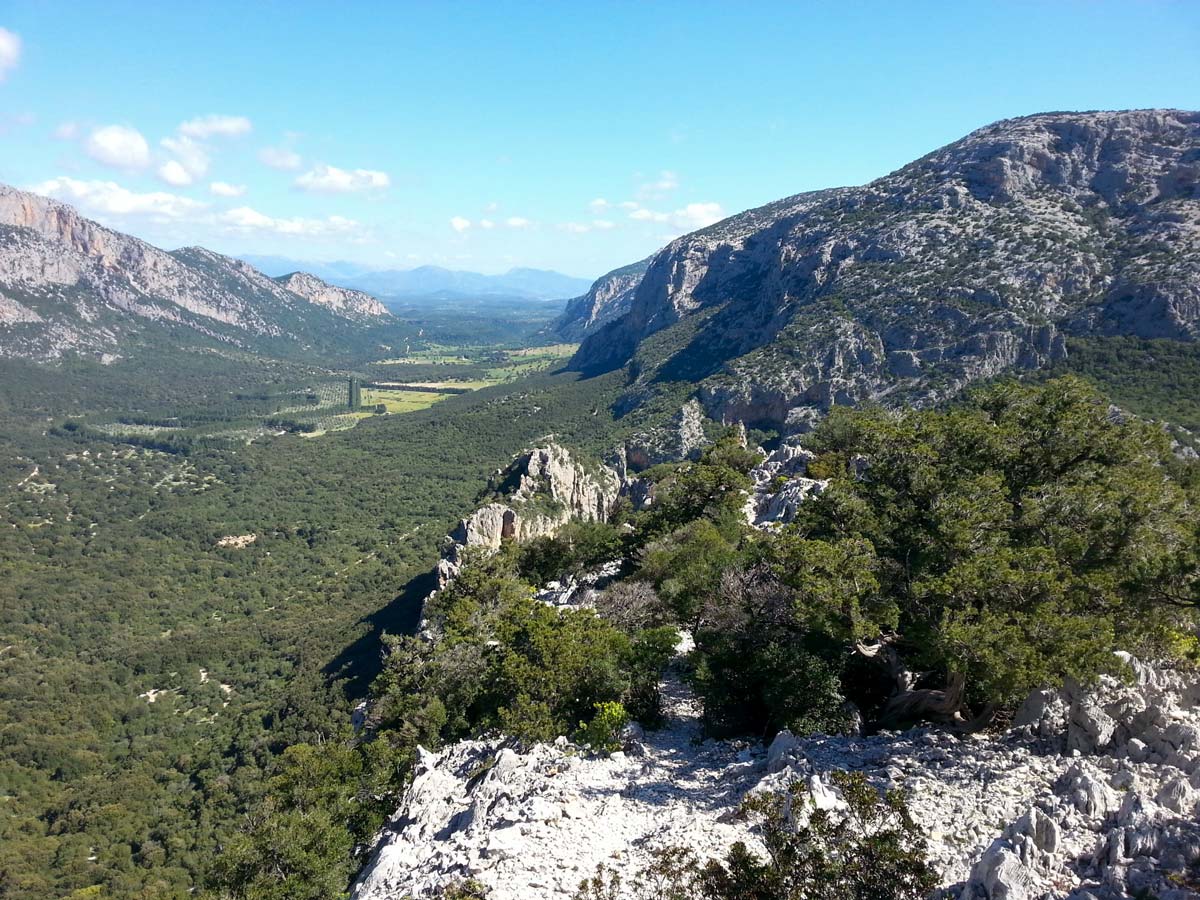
537, 284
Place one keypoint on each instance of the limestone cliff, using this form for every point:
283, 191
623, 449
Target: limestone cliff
608, 298
974, 260
536, 494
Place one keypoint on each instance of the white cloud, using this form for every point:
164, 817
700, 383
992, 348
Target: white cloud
697, 215
10, 52
687, 218
487, 224
118, 146
517, 222
603, 224
599, 205
280, 158
459, 224
244, 219
173, 173
107, 198
575, 227
66, 131
225, 189
648, 215
192, 157
213, 126
628, 204
331, 179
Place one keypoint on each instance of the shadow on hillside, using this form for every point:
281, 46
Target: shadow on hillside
358, 663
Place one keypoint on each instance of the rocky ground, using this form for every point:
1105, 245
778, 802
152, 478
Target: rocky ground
1090, 795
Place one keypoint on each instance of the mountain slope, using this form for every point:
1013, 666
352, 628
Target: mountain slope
976, 259
68, 284
609, 298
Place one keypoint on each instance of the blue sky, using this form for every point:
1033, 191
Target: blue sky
575, 136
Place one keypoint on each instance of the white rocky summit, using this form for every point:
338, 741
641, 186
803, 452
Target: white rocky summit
1091, 796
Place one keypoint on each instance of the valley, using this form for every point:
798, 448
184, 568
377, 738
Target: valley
892, 464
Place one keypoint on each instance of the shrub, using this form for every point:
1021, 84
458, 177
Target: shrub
603, 733
758, 666
874, 851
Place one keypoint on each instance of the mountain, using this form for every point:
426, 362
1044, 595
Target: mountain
70, 285
980, 258
345, 302
609, 298
429, 281
283, 265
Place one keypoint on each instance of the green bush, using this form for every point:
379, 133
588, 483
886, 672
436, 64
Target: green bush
603, 732
872, 852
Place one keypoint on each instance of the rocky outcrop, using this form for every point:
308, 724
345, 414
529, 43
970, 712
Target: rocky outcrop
780, 486
344, 301
538, 493
975, 260
608, 298
1012, 816
68, 284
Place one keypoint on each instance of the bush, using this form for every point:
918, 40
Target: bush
873, 852
1010, 540
603, 733
758, 665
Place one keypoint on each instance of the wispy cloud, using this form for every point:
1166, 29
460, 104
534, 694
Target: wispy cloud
332, 180
190, 162
225, 189
280, 158
656, 188
518, 222
174, 174
459, 224
215, 126
66, 131
245, 219
10, 52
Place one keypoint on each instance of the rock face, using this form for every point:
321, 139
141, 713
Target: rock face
539, 492
976, 259
68, 284
1014, 816
608, 298
345, 302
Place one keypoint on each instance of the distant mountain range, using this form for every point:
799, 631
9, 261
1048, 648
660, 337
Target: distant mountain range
980, 258
71, 286
432, 281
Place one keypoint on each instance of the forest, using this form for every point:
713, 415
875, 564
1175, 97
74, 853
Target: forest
153, 673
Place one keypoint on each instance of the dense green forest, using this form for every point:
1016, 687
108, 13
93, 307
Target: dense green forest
152, 672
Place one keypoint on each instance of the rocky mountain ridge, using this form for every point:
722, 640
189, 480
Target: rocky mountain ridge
68, 284
609, 298
977, 259
1090, 796
346, 302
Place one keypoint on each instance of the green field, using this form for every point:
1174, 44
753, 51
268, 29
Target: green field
400, 401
